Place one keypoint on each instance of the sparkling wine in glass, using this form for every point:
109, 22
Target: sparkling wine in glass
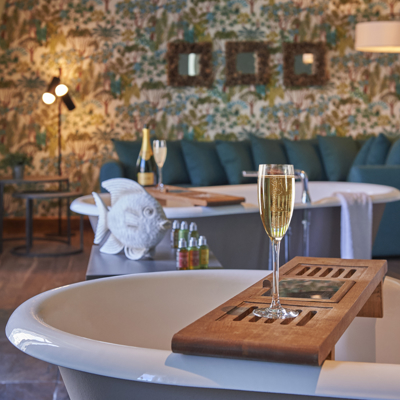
276, 203
160, 154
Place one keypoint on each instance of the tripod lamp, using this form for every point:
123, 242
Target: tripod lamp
58, 90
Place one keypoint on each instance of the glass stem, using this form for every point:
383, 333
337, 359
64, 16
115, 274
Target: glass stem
160, 176
276, 244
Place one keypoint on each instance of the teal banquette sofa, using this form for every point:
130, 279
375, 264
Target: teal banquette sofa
326, 158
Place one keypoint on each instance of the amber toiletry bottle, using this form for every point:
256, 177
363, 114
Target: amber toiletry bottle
175, 235
184, 231
193, 254
193, 230
182, 255
204, 252
146, 168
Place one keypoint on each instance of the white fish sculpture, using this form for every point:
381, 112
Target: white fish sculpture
136, 220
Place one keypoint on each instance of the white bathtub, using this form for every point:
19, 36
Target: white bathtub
237, 237
321, 196
111, 338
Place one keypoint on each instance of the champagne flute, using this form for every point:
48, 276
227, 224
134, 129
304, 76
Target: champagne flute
276, 203
160, 154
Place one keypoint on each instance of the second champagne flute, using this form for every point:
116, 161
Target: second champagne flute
160, 154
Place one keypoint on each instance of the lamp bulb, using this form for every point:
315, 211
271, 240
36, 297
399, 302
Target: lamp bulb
61, 90
48, 98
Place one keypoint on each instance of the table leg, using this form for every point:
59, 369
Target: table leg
81, 230
68, 223
59, 214
1, 215
28, 224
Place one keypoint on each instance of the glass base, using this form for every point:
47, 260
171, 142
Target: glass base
275, 313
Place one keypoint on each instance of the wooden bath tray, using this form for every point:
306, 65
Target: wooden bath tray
178, 196
231, 330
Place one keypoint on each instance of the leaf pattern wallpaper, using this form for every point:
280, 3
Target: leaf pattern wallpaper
111, 54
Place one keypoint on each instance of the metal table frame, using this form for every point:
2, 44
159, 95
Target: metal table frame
28, 180
29, 198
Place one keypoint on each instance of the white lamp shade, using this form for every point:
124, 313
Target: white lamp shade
48, 98
61, 90
378, 36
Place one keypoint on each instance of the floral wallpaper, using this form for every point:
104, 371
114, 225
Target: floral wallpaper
111, 54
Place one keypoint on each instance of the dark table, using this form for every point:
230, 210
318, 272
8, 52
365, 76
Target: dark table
26, 180
29, 197
105, 265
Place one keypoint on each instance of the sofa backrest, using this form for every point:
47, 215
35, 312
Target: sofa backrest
222, 162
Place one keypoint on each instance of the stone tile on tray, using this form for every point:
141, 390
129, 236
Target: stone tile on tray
16, 366
27, 391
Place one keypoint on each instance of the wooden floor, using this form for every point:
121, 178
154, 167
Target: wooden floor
23, 377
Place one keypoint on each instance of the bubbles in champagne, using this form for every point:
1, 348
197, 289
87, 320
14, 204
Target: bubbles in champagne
276, 202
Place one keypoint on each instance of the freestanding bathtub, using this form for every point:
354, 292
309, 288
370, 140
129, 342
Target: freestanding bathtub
111, 339
236, 235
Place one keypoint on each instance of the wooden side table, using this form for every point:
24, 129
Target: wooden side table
30, 197
27, 180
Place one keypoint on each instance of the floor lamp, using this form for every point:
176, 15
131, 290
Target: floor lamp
55, 90
58, 90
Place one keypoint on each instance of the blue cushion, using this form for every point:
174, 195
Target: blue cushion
109, 170
267, 151
203, 164
235, 158
361, 158
303, 154
379, 151
393, 157
128, 153
174, 170
338, 154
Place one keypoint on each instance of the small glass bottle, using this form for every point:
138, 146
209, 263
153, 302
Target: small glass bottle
193, 254
182, 256
204, 252
184, 231
175, 235
193, 231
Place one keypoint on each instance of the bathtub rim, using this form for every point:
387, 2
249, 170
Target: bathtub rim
376, 381
85, 205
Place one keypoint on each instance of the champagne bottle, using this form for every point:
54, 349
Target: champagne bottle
146, 166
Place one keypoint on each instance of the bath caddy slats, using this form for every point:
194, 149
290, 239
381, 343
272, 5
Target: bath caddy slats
328, 293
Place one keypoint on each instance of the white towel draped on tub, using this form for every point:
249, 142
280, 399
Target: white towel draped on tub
355, 225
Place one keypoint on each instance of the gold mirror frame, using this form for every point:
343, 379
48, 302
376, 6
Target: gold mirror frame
205, 78
290, 50
234, 77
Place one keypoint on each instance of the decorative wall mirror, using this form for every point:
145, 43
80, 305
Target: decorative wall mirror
246, 63
304, 64
189, 64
